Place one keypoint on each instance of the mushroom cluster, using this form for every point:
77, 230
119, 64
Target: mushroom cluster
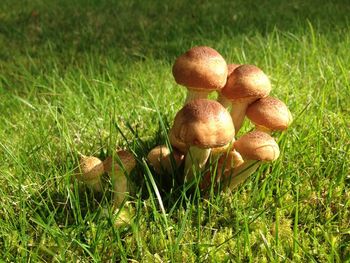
204, 130
204, 145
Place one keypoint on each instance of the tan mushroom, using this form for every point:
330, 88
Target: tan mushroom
225, 165
269, 114
254, 147
89, 171
200, 125
201, 70
244, 85
119, 169
162, 159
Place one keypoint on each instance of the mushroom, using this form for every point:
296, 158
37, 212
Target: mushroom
254, 147
269, 114
89, 171
244, 85
225, 164
119, 168
227, 103
163, 160
200, 125
202, 70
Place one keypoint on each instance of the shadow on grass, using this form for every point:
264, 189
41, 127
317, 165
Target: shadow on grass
161, 29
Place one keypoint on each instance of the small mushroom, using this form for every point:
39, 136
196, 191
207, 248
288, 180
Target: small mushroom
225, 165
254, 147
161, 159
89, 171
269, 114
244, 85
119, 169
202, 70
200, 125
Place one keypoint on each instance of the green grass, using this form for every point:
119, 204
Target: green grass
92, 75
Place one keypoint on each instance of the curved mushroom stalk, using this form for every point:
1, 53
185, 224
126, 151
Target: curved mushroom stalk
238, 110
119, 169
89, 171
193, 94
196, 158
225, 102
241, 173
163, 160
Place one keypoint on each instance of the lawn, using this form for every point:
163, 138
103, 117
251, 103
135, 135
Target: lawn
90, 76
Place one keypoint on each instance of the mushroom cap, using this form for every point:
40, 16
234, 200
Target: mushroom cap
246, 82
270, 113
202, 123
231, 68
90, 168
125, 157
160, 158
257, 145
201, 68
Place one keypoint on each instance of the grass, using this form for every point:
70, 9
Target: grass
91, 75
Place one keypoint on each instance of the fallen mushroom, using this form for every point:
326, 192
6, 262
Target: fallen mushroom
254, 147
202, 70
89, 171
244, 85
163, 160
119, 169
269, 114
200, 125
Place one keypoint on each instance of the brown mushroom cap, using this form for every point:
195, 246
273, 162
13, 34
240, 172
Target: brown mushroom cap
202, 123
126, 158
257, 145
160, 158
231, 68
246, 82
90, 168
270, 113
201, 68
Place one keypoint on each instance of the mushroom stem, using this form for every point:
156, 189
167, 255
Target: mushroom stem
193, 94
96, 185
241, 173
238, 111
119, 168
196, 159
120, 187
224, 101
225, 166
